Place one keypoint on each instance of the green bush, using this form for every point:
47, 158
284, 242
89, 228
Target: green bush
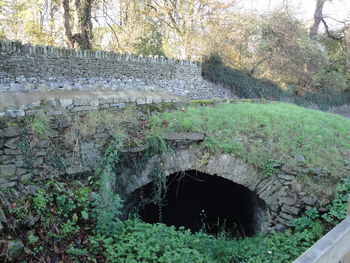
332, 81
243, 84
332, 91
141, 242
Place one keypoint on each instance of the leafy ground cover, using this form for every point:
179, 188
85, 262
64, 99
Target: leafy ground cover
56, 223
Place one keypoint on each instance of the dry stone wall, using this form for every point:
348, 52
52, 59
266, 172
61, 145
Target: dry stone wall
28, 68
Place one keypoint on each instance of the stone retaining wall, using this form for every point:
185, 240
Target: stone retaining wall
28, 68
26, 156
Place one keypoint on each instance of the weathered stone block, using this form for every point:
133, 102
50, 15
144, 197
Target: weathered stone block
290, 209
15, 113
54, 112
104, 106
286, 177
7, 170
283, 221
21, 171
11, 152
84, 108
12, 131
6, 159
81, 101
66, 102
288, 201
12, 143
149, 99
140, 101
309, 201
32, 112
286, 216
280, 227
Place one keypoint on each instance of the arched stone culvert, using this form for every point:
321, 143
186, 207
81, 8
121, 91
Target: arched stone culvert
200, 201
271, 190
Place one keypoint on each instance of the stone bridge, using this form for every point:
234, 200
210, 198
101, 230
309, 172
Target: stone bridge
271, 202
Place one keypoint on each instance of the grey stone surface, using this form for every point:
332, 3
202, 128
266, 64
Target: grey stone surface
290, 209
300, 158
286, 177
288, 201
286, 216
12, 143
7, 170
309, 201
31, 69
12, 131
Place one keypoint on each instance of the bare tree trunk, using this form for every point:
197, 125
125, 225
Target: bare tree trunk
66, 23
317, 18
84, 24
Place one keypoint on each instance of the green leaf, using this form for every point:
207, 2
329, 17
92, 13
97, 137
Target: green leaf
85, 215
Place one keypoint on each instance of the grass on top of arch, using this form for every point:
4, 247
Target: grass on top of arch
261, 133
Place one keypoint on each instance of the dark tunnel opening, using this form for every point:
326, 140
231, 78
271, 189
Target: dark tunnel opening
199, 201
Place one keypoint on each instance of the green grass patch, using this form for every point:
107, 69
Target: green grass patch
265, 133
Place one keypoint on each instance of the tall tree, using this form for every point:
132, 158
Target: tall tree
82, 25
318, 15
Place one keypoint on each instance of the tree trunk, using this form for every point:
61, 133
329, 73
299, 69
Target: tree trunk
66, 23
317, 18
82, 24
84, 37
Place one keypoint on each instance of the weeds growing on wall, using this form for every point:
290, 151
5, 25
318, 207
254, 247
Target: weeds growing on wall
39, 128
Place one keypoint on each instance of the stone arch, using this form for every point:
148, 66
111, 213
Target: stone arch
268, 189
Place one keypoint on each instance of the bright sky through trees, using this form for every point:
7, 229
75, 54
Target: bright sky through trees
338, 9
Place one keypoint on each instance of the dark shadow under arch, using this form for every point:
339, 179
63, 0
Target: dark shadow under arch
199, 201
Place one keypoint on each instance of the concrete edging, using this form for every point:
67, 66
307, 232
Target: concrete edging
331, 248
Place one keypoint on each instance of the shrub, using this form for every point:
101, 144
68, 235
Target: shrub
332, 81
241, 82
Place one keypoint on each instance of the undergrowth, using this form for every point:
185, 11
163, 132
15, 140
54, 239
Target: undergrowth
80, 230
